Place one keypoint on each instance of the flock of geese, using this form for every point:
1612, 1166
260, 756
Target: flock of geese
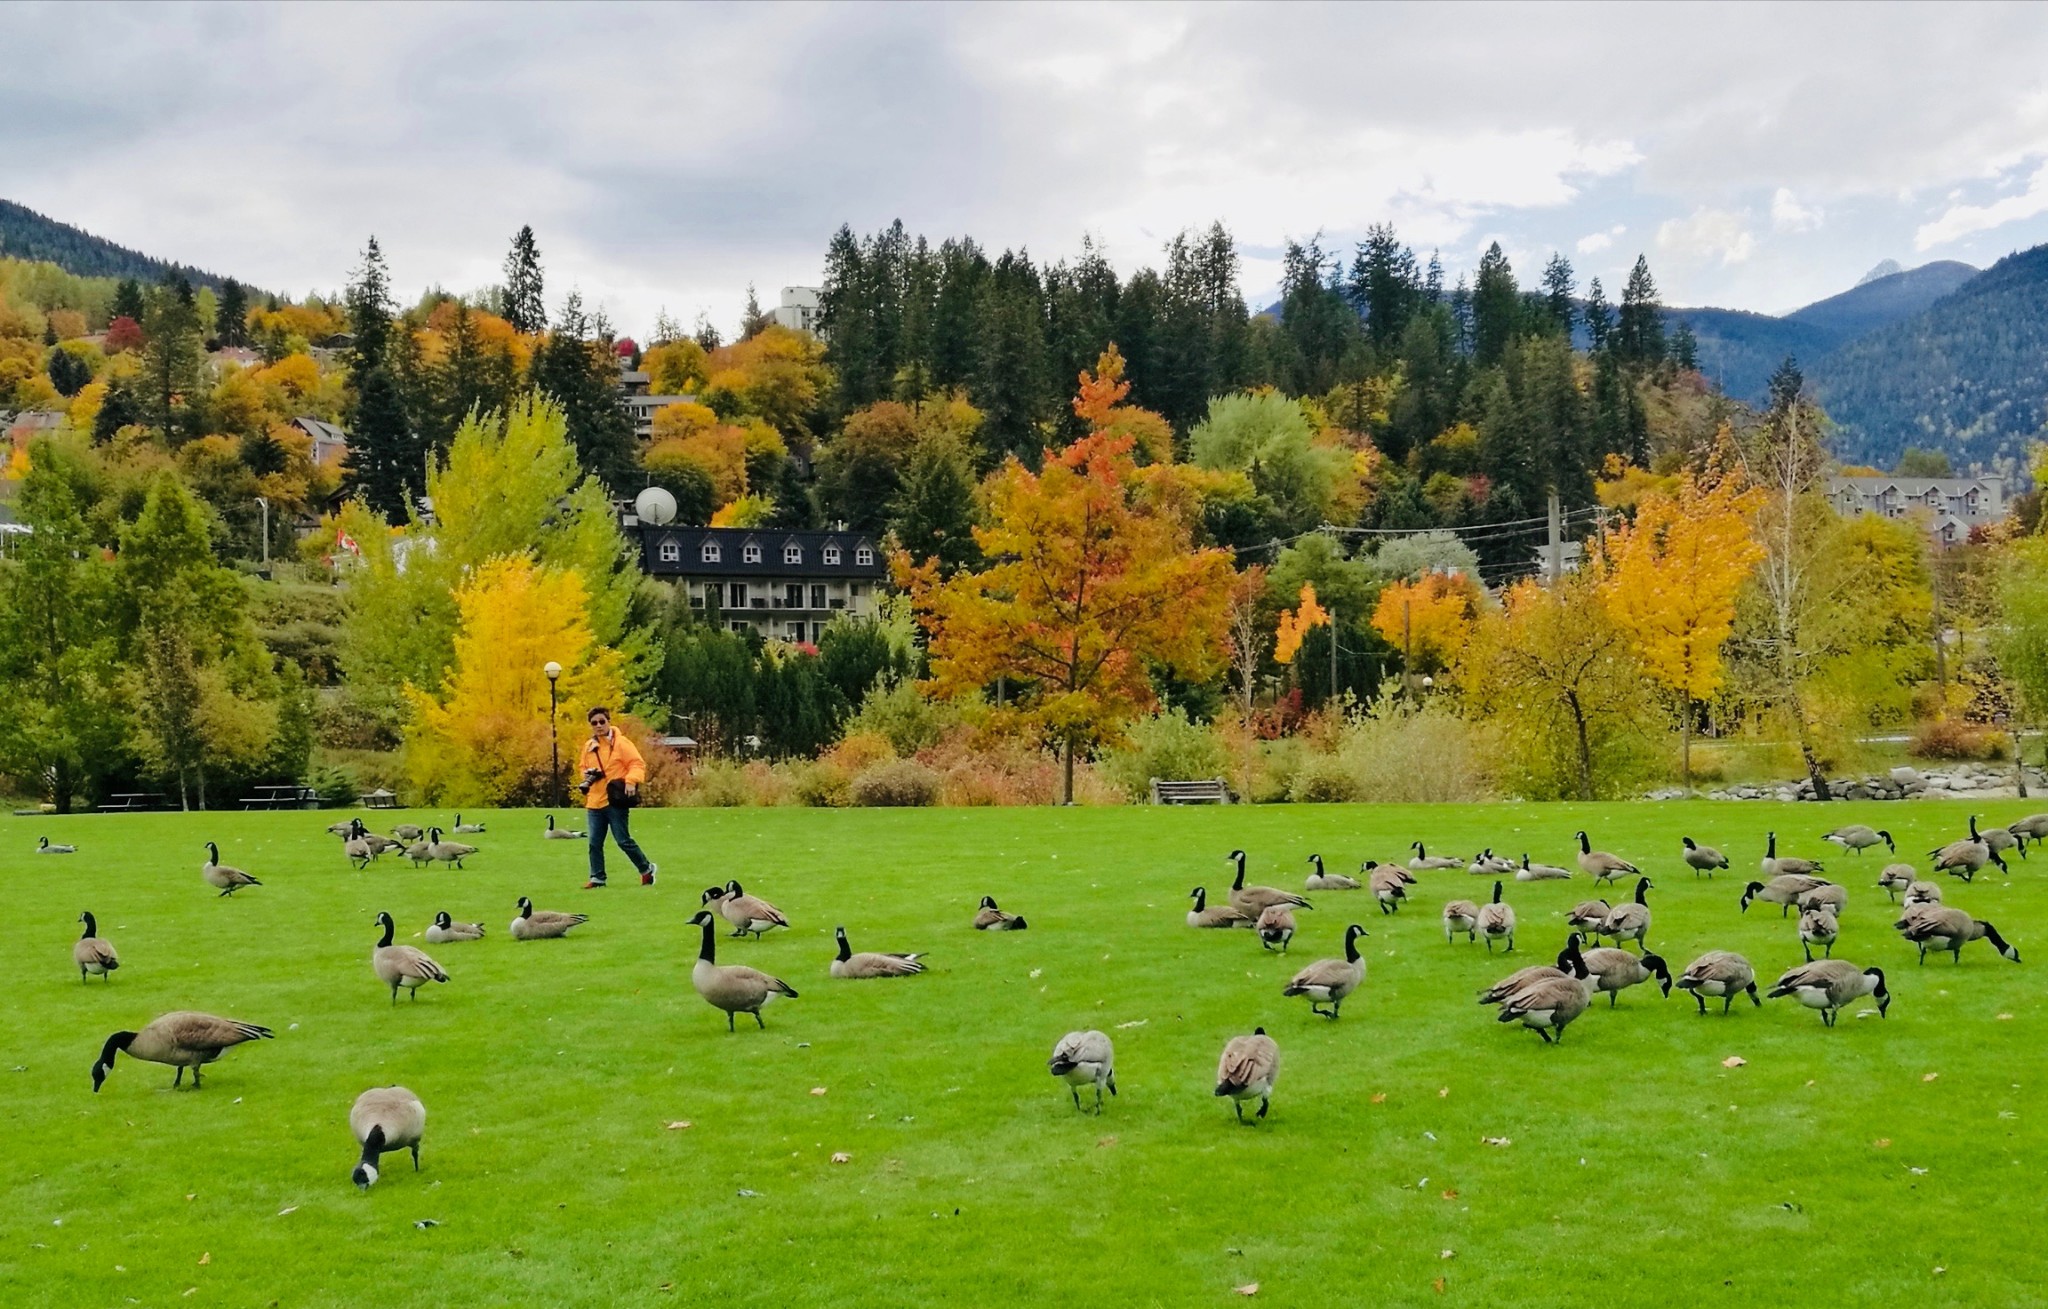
1544, 998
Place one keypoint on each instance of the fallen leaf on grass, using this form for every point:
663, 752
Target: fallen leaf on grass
206, 1259
1439, 1285
424, 1223
1939, 1271
1883, 1143
1451, 1194
1380, 1098
1928, 1077
288, 1209
680, 1125
2005, 1018
666, 1287
1136, 1022
1497, 1140
1105, 1143
817, 1090
1443, 1093
1447, 1254
1249, 1288
190, 1290
841, 1157
193, 1196
1036, 973
1917, 1172
1733, 1061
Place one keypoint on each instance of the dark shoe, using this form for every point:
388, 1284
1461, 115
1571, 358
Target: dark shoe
593, 886
647, 878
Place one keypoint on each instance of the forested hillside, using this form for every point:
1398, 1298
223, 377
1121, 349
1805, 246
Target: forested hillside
1882, 301
26, 234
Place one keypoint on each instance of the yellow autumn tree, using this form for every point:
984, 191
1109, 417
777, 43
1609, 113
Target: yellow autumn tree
1428, 620
1297, 623
1670, 579
481, 738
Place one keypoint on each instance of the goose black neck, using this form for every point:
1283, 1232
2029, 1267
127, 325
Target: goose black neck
1585, 844
845, 950
1237, 883
389, 927
373, 1145
1997, 941
212, 853
1496, 892
1973, 829
734, 889
1351, 944
118, 1041
1771, 846
1642, 888
1201, 899
708, 949
92, 926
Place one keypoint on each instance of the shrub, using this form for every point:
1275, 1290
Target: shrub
1168, 746
821, 784
1953, 739
857, 750
354, 722
1278, 763
1323, 779
896, 783
1403, 754
902, 717
719, 784
337, 787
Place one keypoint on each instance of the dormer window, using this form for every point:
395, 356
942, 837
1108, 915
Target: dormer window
792, 553
832, 554
670, 552
750, 553
709, 554
865, 557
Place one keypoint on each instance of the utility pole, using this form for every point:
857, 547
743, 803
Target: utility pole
1556, 544
1407, 647
1333, 655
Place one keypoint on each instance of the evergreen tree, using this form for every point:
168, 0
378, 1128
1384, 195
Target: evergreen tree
963, 275
752, 318
231, 318
263, 454
1786, 385
932, 515
128, 300
386, 462
1203, 326
1496, 307
370, 308
583, 380
1317, 326
1558, 293
173, 364
473, 377
68, 373
1081, 308
1433, 279
524, 307
1599, 319
1639, 328
1385, 288
1010, 385
121, 408
1685, 347
845, 316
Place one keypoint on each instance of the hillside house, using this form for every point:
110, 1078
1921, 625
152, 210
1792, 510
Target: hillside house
785, 585
1952, 505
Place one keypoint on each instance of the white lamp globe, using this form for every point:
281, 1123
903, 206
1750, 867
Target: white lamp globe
655, 505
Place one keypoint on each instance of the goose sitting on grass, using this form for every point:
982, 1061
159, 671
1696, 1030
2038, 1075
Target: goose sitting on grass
554, 833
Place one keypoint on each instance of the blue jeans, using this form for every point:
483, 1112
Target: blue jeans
611, 818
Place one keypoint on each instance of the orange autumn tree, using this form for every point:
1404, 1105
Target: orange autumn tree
1095, 581
1428, 620
1297, 623
1669, 581
482, 737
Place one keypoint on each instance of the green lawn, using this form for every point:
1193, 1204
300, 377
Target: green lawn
1884, 1162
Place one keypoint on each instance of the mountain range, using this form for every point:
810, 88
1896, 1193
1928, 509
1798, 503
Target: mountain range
26, 234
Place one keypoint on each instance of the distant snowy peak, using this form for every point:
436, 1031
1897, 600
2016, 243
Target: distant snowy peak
1885, 268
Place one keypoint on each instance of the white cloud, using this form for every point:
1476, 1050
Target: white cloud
1595, 242
1788, 215
1708, 234
1961, 220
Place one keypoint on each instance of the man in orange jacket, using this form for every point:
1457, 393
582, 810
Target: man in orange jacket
612, 773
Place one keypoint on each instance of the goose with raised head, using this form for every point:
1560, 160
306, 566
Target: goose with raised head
1702, 858
90, 953
1818, 926
385, 1119
1939, 928
1425, 862
1894, 880
989, 918
732, 988
44, 845
402, 965
1205, 914
1252, 901
1602, 866
220, 876
1547, 1005
1776, 865
1276, 927
1460, 916
1247, 1071
467, 829
1614, 970
1858, 837
446, 852
1084, 1059
749, 915
1329, 981
1497, 922
1529, 872
1630, 920
446, 930
1719, 973
1831, 985
1783, 891
184, 1039
1389, 887
378, 844
542, 924
554, 833
1319, 880
871, 963
1488, 864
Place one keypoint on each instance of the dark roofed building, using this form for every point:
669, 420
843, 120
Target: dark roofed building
785, 585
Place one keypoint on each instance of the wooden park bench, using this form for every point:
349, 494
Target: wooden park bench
129, 802
1209, 790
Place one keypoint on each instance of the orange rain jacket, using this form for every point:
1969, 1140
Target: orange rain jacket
617, 758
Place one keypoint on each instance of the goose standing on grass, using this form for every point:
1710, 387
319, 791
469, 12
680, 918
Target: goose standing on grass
988, 918
1775, 865
1497, 922
2034, 827
43, 846
1570, 961
554, 833
733, 988
748, 914
446, 852
1967, 857
1252, 901
402, 965
1276, 927
1831, 897
1587, 915
1389, 888
421, 852
184, 1039
1602, 866
871, 963
1529, 872
1783, 891
1723, 973
1328, 981
1702, 858
1425, 862
1249, 1067
344, 829
1460, 916
378, 844
1856, 838
1895, 879
2000, 840
1322, 881
358, 851
1832, 984
1206, 915
1919, 893
221, 877
1548, 1005
538, 925
1615, 970
385, 1119
1934, 927
446, 930
1082, 1059
467, 829
90, 953
1630, 921
409, 832
1818, 926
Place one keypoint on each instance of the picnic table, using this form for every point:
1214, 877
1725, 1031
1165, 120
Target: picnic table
379, 799
282, 797
132, 802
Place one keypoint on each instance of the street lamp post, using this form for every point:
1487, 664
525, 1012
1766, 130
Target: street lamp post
554, 672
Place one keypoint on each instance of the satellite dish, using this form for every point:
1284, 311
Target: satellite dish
655, 505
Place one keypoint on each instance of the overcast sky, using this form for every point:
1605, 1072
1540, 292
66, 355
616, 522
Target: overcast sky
1762, 157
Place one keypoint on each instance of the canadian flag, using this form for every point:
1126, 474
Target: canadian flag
346, 542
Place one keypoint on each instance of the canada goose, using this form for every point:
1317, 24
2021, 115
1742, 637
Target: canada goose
534, 926
1497, 922
402, 965
1082, 1058
1252, 901
1702, 858
344, 829
467, 829
1856, 838
1920, 893
746, 913
1322, 881
378, 844
1615, 970
446, 852
1630, 921
1569, 960
90, 953
1587, 915
735, 988
385, 1118
185, 1039
988, 918
408, 832
1328, 981
1829, 984
43, 846
1222, 915
1529, 872
871, 963
446, 929
1548, 1005
1425, 862
1894, 879
1460, 916
1831, 897
2000, 839
1488, 864
1939, 928
1389, 887
217, 874
1276, 927
2034, 827
1967, 857
1775, 866
1249, 1067
421, 852
1783, 891
1719, 972
1601, 866
1818, 926
359, 851
554, 833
